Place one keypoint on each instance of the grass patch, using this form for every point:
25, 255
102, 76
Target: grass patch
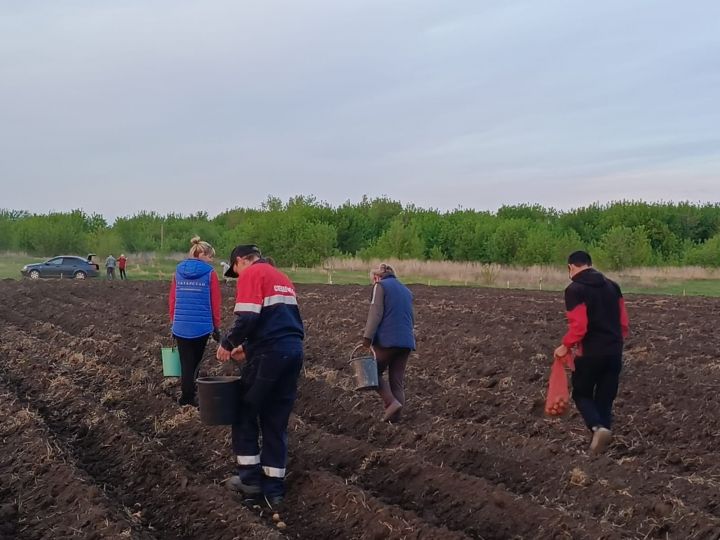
145, 268
670, 281
356, 277
11, 264
695, 287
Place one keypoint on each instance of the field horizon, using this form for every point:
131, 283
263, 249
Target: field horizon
667, 280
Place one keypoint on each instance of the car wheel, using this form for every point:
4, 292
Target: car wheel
34, 274
80, 275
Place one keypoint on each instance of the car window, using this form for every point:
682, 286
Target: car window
57, 261
72, 261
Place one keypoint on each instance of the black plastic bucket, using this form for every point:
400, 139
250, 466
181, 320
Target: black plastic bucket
219, 400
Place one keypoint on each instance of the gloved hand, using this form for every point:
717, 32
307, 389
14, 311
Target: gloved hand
367, 342
216, 335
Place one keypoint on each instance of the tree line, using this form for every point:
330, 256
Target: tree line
305, 232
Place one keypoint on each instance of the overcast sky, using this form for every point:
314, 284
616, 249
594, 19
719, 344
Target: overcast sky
178, 106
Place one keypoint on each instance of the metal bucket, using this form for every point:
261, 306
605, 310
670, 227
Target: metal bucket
171, 362
219, 400
365, 369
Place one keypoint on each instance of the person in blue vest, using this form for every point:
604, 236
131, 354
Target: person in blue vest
195, 312
389, 331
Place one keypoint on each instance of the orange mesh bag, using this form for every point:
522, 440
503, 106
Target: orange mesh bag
558, 395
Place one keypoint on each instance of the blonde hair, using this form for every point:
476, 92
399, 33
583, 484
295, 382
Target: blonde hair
200, 247
383, 270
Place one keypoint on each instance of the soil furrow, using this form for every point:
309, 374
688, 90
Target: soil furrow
474, 417
135, 470
43, 481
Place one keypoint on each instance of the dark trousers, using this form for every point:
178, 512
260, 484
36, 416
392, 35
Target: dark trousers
111, 273
269, 383
123, 275
191, 353
595, 385
394, 360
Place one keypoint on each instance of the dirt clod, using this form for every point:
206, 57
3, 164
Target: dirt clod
578, 477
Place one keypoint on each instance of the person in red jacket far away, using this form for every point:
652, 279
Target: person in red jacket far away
597, 328
122, 263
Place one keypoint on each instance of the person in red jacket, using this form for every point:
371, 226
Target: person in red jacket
597, 328
268, 335
195, 312
122, 262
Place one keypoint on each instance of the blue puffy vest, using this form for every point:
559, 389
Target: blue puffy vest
396, 326
193, 307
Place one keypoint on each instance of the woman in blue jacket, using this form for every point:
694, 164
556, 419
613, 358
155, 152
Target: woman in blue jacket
194, 311
390, 332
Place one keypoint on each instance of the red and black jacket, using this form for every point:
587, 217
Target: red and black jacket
597, 318
267, 311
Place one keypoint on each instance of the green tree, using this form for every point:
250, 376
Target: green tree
469, 235
623, 247
105, 242
540, 246
142, 232
52, 234
705, 254
507, 240
400, 241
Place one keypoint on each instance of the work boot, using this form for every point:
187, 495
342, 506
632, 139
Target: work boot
391, 410
184, 400
275, 501
236, 484
600, 440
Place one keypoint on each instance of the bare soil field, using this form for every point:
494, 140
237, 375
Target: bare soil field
95, 446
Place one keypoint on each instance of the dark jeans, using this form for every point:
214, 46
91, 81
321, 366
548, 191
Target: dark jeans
269, 383
595, 385
191, 353
123, 275
111, 273
394, 360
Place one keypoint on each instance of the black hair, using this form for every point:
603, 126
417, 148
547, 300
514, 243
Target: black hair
580, 258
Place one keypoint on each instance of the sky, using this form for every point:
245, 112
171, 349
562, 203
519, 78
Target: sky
180, 106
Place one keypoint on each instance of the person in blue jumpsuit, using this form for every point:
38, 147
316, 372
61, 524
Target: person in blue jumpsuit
268, 335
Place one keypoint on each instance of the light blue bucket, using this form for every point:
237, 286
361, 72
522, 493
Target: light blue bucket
171, 362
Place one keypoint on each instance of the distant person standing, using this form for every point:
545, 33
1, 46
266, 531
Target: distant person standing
225, 268
389, 331
110, 263
597, 327
194, 303
122, 262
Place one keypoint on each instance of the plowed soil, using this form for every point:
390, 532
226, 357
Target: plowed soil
95, 446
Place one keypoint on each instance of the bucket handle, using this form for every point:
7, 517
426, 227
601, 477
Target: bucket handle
352, 354
197, 369
173, 340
